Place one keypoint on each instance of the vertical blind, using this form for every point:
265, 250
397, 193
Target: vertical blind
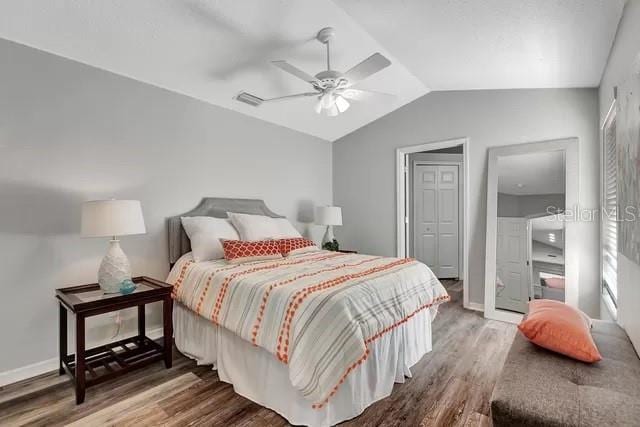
609, 215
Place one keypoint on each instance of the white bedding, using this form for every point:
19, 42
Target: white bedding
258, 376
360, 319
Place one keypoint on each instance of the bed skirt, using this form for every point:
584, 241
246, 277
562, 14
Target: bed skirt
260, 377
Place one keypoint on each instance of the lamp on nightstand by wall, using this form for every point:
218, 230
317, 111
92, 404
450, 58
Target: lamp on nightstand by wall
104, 218
329, 216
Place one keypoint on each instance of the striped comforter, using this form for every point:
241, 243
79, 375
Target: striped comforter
315, 312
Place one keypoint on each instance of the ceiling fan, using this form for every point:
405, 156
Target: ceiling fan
331, 87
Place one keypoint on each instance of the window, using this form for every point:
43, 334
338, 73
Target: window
609, 214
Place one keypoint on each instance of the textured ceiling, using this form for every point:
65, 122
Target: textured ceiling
213, 50
495, 44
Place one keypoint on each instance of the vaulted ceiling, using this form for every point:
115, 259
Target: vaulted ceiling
214, 50
495, 44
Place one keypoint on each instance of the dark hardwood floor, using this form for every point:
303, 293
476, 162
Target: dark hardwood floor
451, 386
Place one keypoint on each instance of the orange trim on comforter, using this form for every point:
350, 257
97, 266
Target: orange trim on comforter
364, 357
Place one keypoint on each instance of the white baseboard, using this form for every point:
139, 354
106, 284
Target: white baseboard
35, 369
475, 306
39, 368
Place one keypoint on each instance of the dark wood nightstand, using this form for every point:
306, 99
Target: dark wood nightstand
93, 366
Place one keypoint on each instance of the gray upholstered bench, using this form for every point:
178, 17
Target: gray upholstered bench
541, 388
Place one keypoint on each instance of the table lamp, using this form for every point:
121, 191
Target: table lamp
329, 216
104, 218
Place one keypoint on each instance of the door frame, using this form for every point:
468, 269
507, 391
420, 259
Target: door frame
402, 204
571, 244
532, 291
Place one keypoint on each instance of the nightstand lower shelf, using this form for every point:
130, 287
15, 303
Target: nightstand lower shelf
108, 361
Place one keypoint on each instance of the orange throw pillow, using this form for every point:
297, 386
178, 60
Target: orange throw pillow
296, 245
560, 328
239, 251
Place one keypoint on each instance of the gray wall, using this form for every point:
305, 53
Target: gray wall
70, 133
508, 205
624, 64
364, 164
525, 205
540, 203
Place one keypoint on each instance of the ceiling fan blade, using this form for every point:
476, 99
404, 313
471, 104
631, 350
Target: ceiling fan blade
296, 95
369, 66
285, 66
361, 94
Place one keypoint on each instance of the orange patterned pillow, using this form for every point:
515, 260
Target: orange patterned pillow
238, 251
558, 327
296, 245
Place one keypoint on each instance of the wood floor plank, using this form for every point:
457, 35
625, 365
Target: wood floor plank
122, 410
25, 389
478, 420
449, 386
149, 415
55, 406
449, 409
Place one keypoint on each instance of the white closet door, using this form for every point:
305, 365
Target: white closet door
511, 264
425, 209
448, 221
436, 218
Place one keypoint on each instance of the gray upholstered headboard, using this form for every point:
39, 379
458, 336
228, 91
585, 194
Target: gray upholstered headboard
216, 207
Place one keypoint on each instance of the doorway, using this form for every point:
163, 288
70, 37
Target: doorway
432, 221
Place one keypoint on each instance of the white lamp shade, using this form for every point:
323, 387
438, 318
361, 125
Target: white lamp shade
328, 215
102, 218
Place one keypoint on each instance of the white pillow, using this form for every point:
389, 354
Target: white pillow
205, 233
260, 227
285, 229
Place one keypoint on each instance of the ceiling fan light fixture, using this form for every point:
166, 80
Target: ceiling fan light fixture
331, 105
332, 111
327, 100
342, 104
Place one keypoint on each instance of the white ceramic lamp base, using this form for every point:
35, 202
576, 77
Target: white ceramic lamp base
114, 268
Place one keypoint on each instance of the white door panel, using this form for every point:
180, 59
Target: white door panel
436, 218
429, 213
448, 175
429, 176
428, 255
511, 264
448, 204
425, 216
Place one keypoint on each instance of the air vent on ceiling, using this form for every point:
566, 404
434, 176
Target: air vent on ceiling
247, 98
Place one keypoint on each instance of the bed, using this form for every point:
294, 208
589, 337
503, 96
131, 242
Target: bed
316, 337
